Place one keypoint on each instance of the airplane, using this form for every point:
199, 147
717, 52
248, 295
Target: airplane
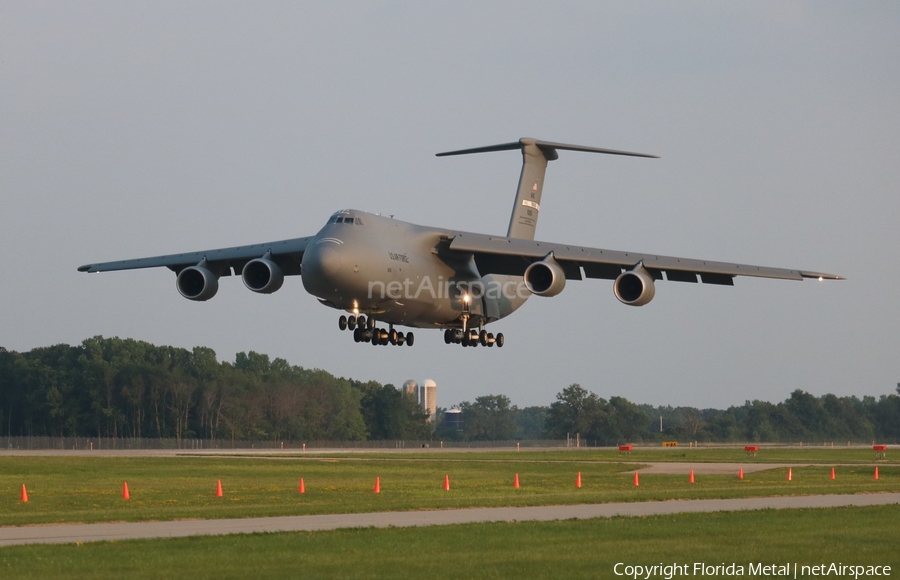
380, 270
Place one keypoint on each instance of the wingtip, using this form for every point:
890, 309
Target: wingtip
820, 276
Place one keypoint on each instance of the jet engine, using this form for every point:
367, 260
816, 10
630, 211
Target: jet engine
262, 275
197, 283
635, 287
545, 278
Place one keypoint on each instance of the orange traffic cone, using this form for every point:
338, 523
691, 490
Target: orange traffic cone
125, 494
578, 481
692, 476
377, 485
446, 483
219, 488
876, 472
636, 480
790, 473
302, 487
741, 473
832, 473
24, 493
516, 482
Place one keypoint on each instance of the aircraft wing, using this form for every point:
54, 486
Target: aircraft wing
286, 253
511, 256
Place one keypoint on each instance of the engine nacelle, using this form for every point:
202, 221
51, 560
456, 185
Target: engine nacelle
197, 283
635, 287
545, 278
262, 275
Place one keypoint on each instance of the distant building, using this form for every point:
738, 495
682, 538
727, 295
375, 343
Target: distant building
453, 419
425, 395
428, 398
411, 389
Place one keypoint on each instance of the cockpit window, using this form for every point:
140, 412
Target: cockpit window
345, 220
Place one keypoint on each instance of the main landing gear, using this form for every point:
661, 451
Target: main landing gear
473, 337
364, 331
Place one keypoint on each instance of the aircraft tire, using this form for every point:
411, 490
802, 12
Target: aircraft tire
410, 339
361, 321
351, 322
500, 340
400, 339
370, 323
342, 322
483, 338
357, 335
392, 337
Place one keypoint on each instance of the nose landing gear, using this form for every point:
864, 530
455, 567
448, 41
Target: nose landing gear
473, 337
364, 331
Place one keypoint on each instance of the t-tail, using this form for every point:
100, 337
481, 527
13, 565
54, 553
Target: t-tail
535, 155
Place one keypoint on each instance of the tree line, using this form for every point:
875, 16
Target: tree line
119, 388
113, 387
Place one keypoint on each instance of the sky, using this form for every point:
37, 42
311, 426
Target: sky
134, 129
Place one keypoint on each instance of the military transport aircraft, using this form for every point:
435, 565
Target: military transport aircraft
384, 271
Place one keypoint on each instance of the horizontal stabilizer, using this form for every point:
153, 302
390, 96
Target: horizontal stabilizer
547, 147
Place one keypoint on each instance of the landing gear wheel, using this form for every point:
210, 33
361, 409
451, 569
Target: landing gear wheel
500, 340
410, 339
351, 322
357, 335
448, 336
361, 321
342, 322
490, 339
392, 336
370, 323
483, 338
400, 339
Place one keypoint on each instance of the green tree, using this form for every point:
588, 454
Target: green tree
576, 411
390, 414
530, 423
489, 418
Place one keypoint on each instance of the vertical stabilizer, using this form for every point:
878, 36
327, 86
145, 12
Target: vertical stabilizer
523, 221
535, 155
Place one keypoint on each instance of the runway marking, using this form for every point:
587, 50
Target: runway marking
70, 533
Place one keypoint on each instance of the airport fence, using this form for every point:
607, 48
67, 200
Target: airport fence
37, 443
129, 443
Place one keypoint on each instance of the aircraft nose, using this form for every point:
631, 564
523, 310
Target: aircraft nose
330, 260
323, 262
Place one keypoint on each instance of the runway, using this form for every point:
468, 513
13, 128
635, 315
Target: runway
71, 533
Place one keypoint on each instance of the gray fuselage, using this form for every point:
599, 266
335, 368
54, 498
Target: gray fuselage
397, 272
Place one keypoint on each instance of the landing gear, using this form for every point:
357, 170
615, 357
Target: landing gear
472, 337
364, 331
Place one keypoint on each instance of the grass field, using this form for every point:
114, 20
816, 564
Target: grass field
564, 549
89, 489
